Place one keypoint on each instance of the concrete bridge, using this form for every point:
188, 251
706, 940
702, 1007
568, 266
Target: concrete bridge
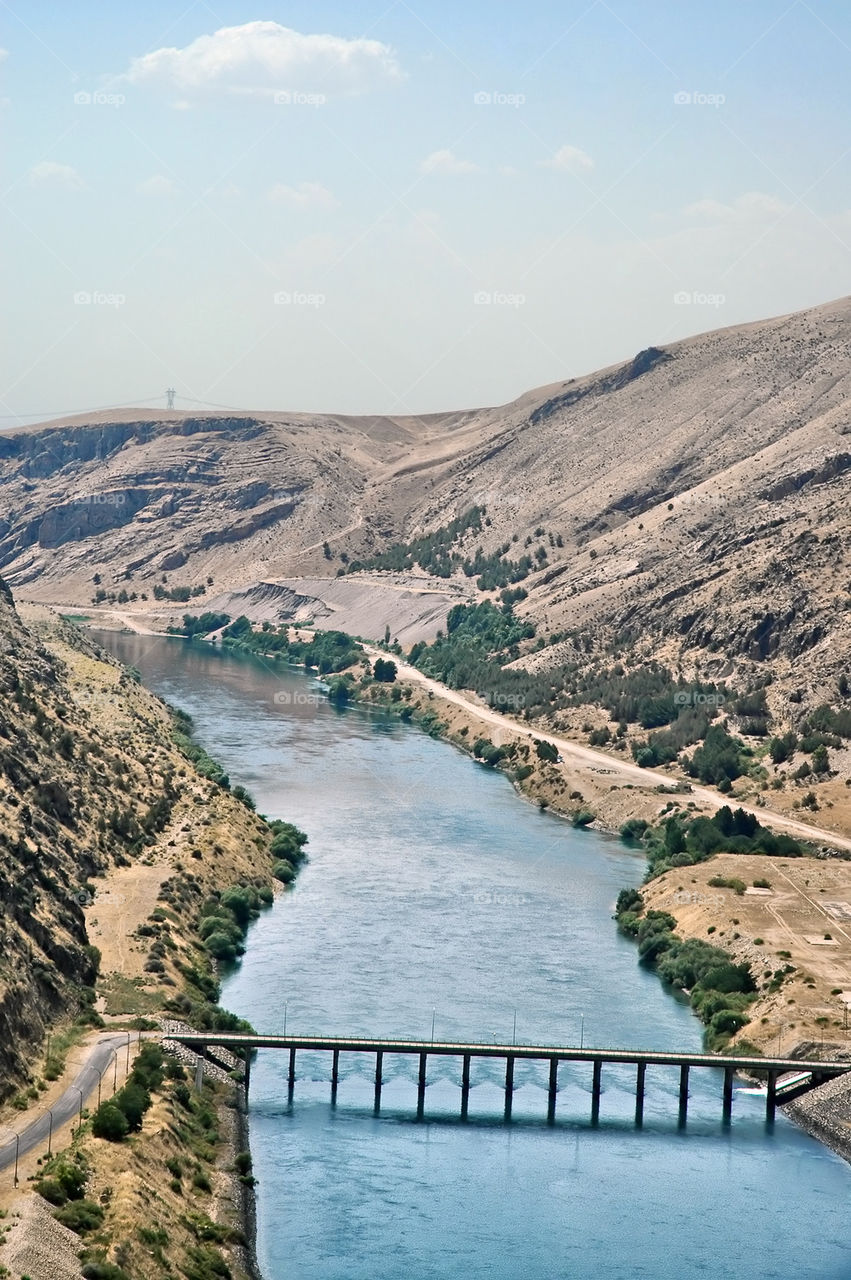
787, 1078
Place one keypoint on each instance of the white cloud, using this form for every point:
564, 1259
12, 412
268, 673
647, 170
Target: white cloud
570, 159
62, 175
303, 196
262, 58
447, 162
751, 204
157, 185
4, 53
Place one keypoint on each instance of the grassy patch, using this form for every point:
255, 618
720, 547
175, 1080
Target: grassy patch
128, 996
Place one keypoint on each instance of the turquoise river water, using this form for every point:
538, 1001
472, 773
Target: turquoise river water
438, 901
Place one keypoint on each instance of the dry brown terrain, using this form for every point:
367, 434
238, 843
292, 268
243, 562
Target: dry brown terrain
700, 491
95, 888
803, 920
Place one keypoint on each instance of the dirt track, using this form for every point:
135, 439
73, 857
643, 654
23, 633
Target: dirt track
623, 768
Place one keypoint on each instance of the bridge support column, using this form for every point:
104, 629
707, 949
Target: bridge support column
596, 1089
379, 1061
291, 1073
509, 1085
681, 1119
771, 1097
553, 1090
246, 1072
465, 1086
335, 1076
728, 1095
199, 1073
639, 1094
421, 1086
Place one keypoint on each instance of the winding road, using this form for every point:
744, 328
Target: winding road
599, 759
67, 1106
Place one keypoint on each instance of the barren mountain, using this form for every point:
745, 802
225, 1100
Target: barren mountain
693, 500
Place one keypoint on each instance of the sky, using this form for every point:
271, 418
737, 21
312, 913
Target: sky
409, 205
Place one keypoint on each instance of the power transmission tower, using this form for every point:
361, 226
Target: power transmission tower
170, 397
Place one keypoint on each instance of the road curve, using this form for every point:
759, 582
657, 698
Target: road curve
67, 1105
624, 768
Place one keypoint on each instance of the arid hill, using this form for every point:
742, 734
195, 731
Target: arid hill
693, 500
92, 785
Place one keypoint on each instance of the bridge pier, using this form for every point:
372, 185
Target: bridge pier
639, 1094
246, 1070
728, 1095
465, 1086
553, 1090
379, 1061
771, 1097
199, 1073
335, 1076
596, 1089
421, 1086
509, 1085
291, 1074
683, 1112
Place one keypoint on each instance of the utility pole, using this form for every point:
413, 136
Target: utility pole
170, 397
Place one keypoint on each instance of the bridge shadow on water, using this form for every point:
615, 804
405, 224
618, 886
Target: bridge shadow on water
745, 1130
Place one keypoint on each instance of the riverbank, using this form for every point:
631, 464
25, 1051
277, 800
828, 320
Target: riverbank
143, 914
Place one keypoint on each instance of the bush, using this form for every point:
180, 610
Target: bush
221, 947
104, 1271
284, 871
52, 1190
133, 1101
80, 1216
633, 830
110, 1123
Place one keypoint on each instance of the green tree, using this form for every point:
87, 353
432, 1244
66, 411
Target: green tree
110, 1123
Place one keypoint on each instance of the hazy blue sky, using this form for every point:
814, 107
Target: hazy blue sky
400, 206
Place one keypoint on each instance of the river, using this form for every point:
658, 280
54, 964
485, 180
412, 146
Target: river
438, 899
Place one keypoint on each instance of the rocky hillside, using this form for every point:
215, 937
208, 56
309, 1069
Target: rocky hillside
693, 503
92, 785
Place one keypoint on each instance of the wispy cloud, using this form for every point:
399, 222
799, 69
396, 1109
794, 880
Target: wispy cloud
303, 196
157, 185
751, 204
49, 172
570, 159
262, 58
447, 162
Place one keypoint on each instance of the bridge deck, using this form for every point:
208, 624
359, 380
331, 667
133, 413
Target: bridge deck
237, 1042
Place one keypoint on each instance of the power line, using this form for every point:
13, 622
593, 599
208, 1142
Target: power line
70, 413
170, 396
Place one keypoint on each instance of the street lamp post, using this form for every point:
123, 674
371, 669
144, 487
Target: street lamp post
115, 1074
50, 1133
582, 1031
100, 1080
17, 1146
127, 1066
80, 1091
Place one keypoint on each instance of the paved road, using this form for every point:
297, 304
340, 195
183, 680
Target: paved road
610, 764
67, 1106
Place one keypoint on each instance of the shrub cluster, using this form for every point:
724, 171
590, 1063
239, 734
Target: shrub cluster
719, 991
123, 1113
